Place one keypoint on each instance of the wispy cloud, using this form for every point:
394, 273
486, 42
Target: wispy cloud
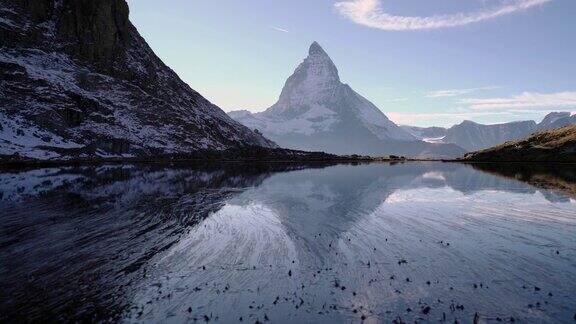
396, 100
455, 92
371, 13
280, 29
526, 100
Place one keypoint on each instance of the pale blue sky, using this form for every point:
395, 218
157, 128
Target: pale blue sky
484, 60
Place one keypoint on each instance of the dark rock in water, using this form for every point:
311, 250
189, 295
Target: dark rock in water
78, 74
398, 320
426, 310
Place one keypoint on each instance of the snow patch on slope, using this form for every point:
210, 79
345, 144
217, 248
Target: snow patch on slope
317, 119
378, 123
18, 136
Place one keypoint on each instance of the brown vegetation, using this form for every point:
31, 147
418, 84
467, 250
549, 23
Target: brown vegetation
556, 145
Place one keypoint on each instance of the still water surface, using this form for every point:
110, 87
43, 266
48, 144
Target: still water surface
407, 242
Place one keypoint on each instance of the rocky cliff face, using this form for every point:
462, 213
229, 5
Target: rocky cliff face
78, 80
557, 120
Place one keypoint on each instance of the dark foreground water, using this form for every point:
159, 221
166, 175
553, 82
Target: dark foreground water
422, 242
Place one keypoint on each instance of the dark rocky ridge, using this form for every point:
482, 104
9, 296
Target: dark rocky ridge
77, 74
556, 145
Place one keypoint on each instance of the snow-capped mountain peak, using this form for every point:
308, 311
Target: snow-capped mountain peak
315, 48
319, 66
315, 106
315, 80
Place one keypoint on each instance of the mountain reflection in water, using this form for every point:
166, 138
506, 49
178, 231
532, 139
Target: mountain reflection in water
330, 243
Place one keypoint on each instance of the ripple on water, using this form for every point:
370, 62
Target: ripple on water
415, 241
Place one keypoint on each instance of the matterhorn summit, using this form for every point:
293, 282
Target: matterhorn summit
316, 80
316, 111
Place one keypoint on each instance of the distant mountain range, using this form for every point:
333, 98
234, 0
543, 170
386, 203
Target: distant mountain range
473, 136
317, 112
78, 81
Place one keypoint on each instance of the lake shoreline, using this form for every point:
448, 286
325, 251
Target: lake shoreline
239, 155
33, 164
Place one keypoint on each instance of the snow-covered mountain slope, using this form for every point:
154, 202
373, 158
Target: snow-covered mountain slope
314, 100
316, 111
427, 134
78, 80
